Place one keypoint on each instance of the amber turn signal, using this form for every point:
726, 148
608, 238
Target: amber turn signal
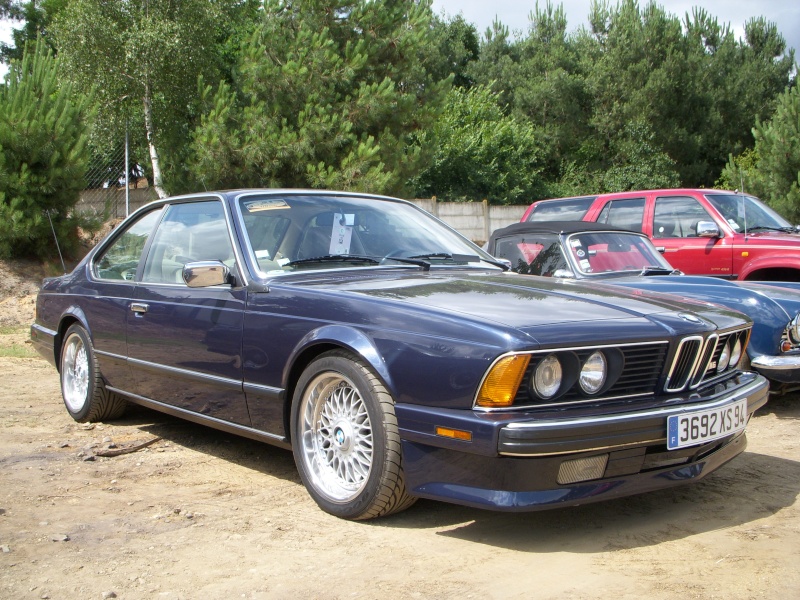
501, 384
456, 434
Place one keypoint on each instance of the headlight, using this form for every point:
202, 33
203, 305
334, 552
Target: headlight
794, 329
547, 377
736, 352
593, 373
724, 358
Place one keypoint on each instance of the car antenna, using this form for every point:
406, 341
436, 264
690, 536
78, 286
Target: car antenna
55, 237
744, 206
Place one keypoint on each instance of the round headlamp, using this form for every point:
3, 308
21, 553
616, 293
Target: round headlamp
736, 352
724, 358
593, 373
547, 377
794, 329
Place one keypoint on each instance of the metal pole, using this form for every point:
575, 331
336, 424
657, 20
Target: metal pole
127, 171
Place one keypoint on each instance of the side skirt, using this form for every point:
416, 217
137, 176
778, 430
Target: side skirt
248, 432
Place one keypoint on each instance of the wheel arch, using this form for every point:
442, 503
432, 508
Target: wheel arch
71, 316
772, 268
326, 339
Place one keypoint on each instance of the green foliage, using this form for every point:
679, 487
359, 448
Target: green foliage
772, 169
479, 152
688, 87
329, 94
139, 54
457, 46
43, 155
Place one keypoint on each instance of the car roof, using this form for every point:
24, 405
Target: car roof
628, 194
555, 227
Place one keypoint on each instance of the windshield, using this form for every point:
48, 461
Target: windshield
605, 253
292, 232
536, 254
746, 213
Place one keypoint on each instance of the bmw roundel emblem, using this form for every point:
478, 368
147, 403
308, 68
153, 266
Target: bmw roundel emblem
339, 435
691, 318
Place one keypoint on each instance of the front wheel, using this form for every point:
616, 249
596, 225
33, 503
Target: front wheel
82, 386
345, 439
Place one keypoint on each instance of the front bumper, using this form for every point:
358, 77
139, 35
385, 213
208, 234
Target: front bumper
513, 461
783, 369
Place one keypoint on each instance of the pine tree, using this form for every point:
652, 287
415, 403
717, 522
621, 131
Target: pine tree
330, 93
43, 155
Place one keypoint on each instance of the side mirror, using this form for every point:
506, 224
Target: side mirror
205, 273
707, 229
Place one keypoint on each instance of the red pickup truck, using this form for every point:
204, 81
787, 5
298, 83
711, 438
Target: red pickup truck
700, 231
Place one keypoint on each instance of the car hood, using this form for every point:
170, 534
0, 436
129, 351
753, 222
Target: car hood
522, 301
773, 237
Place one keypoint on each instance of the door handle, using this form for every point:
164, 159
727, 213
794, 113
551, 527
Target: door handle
138, 307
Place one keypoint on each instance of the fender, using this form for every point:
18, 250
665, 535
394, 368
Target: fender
344, 336
771, 261
73, 311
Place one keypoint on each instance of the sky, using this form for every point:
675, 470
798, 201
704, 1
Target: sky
514, 14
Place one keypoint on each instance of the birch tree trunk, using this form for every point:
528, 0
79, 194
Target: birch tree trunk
158, 181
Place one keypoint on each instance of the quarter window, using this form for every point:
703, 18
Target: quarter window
568, 209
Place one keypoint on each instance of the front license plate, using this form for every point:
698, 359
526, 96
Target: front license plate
703, 426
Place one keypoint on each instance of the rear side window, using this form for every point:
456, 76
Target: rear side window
189, 232
121, 259
568, 209
625, 214
678, 216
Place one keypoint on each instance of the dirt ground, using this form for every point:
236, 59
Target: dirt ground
203, 514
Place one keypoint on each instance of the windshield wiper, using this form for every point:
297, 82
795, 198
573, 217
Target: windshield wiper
468, 258
353, 258
769, 228
650, 270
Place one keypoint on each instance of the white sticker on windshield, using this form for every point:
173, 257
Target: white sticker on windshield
342, 233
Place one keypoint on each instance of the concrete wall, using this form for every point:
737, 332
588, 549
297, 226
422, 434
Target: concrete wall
475, 220
111, 201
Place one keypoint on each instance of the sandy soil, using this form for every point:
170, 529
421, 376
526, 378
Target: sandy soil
202, 514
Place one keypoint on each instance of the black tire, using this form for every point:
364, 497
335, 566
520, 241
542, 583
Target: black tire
82, 386
345, 439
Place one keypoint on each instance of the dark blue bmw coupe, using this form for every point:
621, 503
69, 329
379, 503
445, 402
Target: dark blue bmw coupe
394, 357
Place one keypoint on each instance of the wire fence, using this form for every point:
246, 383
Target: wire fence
109, 193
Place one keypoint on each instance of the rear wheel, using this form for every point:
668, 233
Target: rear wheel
82, 386
346, 441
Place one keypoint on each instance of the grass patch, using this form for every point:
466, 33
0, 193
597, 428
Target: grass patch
18, 351
12, 329
13, 342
